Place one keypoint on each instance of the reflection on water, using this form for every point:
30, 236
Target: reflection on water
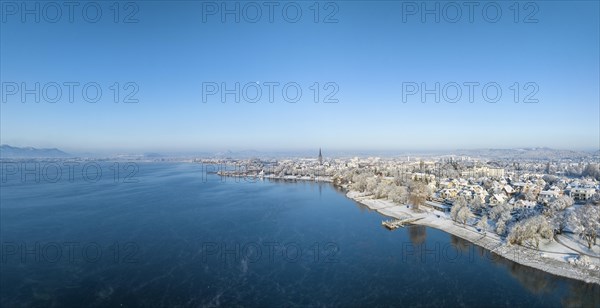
539, 282
417, 234
578, 296
460, 244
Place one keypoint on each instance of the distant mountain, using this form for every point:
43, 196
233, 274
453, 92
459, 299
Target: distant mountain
7, 151
526, 153
153, 155
238, 154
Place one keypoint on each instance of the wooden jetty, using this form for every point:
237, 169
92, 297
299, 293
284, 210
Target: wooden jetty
393, 224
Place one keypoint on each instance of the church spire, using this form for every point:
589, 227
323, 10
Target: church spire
320, 157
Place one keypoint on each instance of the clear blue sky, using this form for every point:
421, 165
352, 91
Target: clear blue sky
369, 53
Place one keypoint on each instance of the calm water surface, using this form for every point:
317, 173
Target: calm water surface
177, 237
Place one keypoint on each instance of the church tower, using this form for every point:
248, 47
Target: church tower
320, 157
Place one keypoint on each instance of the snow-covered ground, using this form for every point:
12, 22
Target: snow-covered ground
561, 258
570, 240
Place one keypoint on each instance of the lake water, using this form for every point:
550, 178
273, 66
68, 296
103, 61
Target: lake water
171, 235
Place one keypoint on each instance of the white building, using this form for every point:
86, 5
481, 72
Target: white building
581, 193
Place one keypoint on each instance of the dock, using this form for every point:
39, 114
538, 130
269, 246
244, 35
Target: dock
398, 223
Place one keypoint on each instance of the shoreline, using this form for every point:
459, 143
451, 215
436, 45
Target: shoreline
287, 178
541, 260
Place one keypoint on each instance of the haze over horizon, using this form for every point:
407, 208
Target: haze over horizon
57, 152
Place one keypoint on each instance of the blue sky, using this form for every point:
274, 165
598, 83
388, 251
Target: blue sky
369, 53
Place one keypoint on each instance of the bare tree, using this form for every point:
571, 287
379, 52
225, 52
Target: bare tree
418, 195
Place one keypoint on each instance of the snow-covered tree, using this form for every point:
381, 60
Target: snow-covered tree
460, 212
372, 183
460, 202
560, 220
574, 170
530, 230
487, 183
398, 194
595, 199
592, 170
359, 182
560, 203
524, 213
502, 224
587, 223
498, 210
483, 224
382, 190
550, 179
476, 204
464, 214
501, 215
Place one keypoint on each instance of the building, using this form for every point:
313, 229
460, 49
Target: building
483, 171
546, 196
449, 193
496, 199
581, 193
438, 206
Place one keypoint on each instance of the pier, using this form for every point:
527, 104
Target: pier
393, 224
